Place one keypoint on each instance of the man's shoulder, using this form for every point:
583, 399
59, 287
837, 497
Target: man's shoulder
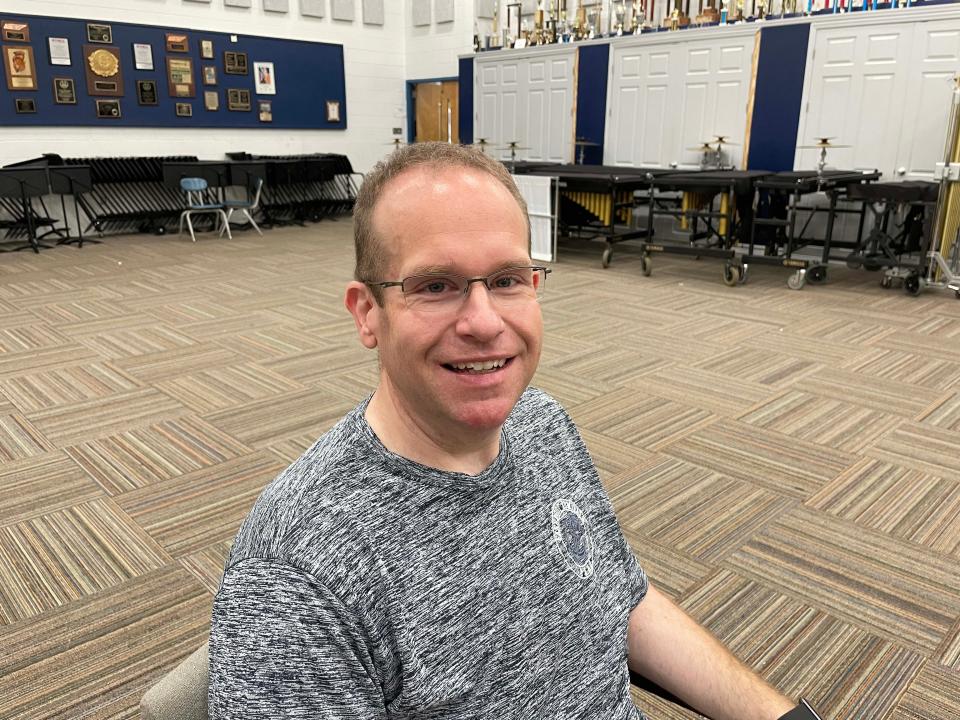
535, 407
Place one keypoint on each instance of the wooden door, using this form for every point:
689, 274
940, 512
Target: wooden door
437, 111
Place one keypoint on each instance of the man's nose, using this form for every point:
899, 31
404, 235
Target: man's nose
480, 315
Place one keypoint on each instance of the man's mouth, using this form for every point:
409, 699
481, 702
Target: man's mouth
478, 367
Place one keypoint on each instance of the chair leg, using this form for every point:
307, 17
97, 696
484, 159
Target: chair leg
190, 225
226, 224
252, 221
180, 227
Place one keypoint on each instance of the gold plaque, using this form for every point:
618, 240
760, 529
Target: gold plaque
104, 63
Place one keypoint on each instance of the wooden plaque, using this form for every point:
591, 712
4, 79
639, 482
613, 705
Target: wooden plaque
20, 68
104, 73
177, 43
64, 91
235, 63
238, 99
14, 31
180, 77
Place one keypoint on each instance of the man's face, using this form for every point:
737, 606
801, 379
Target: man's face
464, 222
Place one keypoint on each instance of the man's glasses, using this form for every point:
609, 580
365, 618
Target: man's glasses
446, 292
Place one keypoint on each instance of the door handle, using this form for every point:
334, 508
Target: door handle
901, 171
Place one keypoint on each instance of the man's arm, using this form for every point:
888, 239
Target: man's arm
283, 645
667, 646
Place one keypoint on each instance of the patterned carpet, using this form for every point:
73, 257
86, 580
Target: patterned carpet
786, 464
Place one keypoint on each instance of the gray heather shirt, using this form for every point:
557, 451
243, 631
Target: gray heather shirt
365, 585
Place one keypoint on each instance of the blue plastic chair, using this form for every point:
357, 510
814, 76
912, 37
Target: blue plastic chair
195, 188
247, 207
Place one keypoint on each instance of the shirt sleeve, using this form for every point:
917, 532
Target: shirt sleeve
282, 645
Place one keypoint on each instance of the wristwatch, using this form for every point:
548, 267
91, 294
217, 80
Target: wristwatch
803, 711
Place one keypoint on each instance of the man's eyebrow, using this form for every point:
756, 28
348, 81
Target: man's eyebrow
447, 270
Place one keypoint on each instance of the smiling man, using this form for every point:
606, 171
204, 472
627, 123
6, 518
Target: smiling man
447, 549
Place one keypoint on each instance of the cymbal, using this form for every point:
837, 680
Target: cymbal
513, 143
706, 147
586, 143
818, 146
395, 141
512, 147
722, 139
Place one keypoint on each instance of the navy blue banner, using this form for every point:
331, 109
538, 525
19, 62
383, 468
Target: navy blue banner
591, 101
308, 76
465, 91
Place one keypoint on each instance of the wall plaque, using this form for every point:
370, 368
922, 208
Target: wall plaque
180, 77
108, 109
20, 68
13, 31
177, 43
147, 93
235, 63
64, 91
238, 99
26, 105
97, 33
104, 74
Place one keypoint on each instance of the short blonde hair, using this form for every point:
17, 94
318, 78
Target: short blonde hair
371, 255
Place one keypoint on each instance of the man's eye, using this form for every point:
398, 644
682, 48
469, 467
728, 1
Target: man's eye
433, 286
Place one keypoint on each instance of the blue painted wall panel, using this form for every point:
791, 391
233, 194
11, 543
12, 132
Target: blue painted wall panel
465, 91
307, 75
776, 102
592, 100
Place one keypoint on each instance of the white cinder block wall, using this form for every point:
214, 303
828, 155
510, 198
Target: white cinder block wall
378, 60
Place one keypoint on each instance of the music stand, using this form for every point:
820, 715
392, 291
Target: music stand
25, 183
215, 172
71, 180
245, 173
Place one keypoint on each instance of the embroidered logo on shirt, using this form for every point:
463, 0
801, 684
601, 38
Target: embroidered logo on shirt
572, 537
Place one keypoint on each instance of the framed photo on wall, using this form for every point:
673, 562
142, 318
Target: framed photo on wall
21, 70
209, 75
333, 111
211, 100
108, 109
206, 49
265, 111
64, 91
98, 33
264, 78
180, 76
147, 93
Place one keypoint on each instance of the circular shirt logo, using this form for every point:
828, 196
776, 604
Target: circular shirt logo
572, 536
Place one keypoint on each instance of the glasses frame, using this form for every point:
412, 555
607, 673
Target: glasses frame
484, 279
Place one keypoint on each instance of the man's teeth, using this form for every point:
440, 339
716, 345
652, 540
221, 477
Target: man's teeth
488, 365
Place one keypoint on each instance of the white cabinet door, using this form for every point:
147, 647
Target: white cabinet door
934, 61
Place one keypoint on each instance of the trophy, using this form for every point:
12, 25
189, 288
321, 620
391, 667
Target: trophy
539, 36
677, 18
580, 23
761, 9
709, 14
635, 17
619, 11
738, 17
494, 39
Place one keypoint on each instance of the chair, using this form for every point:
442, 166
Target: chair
195, 188
181, 694
247, 207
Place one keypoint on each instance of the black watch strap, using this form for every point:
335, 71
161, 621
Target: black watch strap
803, 711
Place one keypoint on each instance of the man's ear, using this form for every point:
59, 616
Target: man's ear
360, 302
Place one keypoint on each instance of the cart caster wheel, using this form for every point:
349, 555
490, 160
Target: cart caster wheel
797, 280
731, 274
957, 293
607, 257
885, 282
646, 267
912, 285
817, 273
744, 272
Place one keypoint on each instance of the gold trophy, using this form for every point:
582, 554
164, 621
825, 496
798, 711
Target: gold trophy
495, 37
619, 12
738, 17
635, 17
676, 19
709, 15
539, 36
761, 9
580, 23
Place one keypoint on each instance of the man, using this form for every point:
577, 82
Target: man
447, 550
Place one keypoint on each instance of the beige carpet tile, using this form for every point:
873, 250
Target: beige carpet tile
149, 454
99, 655
183, 297
193, 511
51, 560
762, 311
610, 455
932, 346
32, 361
42, 484
79, 311
760, 366
696, 511
264, 422
908, 368
722, 331
643, 421
354, 385
940, 325
315, 366
155, 366
277, 342
945, 415
825, 421
65, 386
669, 346
575, 389
37, 335
13, 317
26, 290
933, 695
823, 323
890, 587
788, 466
899, 502
712, 392
132, 342
20, 438
826, 352
226, 325
949, 655
99, 417
609, 366
195, 309
76, 330
921, 447
857, 675
223, 387
310, 313
889, 396
207, 565
266, 300
670, 570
